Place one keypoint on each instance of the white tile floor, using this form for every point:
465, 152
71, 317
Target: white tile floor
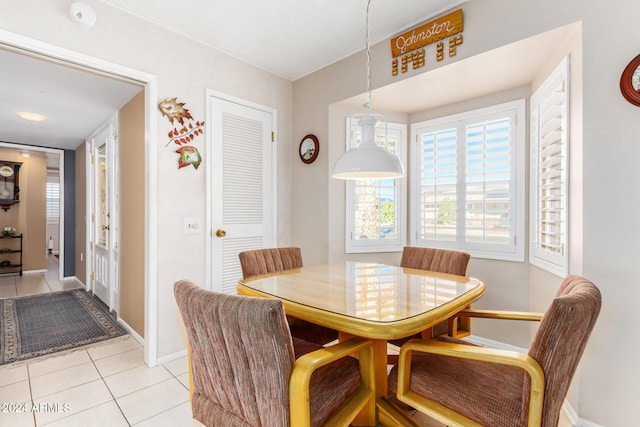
105, 385
36, 283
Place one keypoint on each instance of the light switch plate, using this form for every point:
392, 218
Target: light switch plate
191, 225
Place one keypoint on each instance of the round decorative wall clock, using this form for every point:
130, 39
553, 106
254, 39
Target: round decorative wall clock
630, 82
6, 171
309, 148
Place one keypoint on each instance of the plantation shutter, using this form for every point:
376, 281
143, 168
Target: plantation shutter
53, 197
549, 175
438, 198
488, 178
468, 182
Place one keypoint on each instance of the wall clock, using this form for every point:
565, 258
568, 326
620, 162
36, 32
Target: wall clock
9, 188
309, 148
6, 171
630, 82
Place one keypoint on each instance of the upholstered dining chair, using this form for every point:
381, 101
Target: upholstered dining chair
269, 260
263, 261
433, 259
245, 369
465, 385
440, 261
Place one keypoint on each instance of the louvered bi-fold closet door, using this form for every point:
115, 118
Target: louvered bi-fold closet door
243, 186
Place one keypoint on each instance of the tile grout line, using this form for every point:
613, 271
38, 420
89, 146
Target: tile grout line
115, 401
172, 376
101, 378
35, 422
33, 414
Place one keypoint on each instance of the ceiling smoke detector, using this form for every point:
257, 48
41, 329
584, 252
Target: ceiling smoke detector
82, 14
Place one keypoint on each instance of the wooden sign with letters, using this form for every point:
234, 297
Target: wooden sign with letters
417, 38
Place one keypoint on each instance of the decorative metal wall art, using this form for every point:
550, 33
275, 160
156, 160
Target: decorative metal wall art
184, 134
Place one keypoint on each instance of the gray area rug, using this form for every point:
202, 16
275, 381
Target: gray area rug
40, 325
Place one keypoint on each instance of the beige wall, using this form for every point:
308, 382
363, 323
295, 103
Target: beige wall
81, 213
29, 217
132, 183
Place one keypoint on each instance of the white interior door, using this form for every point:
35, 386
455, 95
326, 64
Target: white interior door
242, 186
103, 240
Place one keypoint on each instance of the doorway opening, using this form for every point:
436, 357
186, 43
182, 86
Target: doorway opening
23, 46
53, 241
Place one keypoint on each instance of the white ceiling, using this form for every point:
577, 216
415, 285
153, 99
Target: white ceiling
75, 102
291, 38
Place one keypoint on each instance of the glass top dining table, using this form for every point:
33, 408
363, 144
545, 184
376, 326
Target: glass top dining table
371, 300
367, 299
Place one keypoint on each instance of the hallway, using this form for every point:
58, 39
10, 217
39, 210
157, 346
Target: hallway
37, 282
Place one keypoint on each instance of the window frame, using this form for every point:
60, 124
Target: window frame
353, 245
515, 249
53, 200
548, 260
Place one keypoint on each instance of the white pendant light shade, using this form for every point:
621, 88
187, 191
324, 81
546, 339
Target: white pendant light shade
368, 160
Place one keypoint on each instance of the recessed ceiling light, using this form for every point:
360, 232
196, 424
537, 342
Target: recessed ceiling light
32, 117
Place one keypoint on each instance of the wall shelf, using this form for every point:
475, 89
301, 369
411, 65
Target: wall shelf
6, 204
8, 254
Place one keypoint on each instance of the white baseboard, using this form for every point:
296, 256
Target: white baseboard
130, 331
75, 278
567, 409
486, 342
587, 423
571, 414
172, 357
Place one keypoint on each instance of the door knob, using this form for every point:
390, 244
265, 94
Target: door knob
220, 233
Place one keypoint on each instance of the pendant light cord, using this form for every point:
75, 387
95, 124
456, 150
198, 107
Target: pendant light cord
368, 104
369, 160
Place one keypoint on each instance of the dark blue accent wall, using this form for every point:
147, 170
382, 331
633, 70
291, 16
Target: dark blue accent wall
69, 213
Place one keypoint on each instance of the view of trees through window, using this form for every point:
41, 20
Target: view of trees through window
375, 206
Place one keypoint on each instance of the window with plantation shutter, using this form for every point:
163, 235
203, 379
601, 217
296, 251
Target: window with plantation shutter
468, 182
438, 213
376, 208
488, 183
53, 197
549, 174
